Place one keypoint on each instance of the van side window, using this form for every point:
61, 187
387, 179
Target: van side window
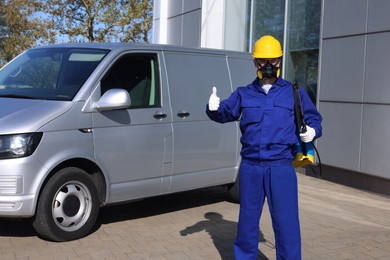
138, 74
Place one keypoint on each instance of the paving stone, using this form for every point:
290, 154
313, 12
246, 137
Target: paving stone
337, 222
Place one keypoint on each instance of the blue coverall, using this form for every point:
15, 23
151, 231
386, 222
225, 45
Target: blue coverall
268, 148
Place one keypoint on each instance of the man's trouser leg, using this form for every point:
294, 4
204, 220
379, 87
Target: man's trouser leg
251, 204
282, 197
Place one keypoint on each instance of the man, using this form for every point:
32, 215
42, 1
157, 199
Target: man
265, 108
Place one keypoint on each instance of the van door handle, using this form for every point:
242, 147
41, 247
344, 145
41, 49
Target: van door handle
160, 115
183, 114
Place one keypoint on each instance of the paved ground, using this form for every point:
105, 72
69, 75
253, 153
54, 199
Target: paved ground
337, 222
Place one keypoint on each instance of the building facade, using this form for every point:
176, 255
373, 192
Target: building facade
335, 49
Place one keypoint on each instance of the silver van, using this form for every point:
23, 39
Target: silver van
88, 125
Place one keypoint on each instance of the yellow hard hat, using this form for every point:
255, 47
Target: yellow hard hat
267, 47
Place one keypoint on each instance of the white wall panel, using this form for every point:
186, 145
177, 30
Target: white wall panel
212, 24
340, 144
190, 5
342, 69
344, 17
376, 140
234, 29
377, 80
174, 31
191, 29
378, 15
175, 8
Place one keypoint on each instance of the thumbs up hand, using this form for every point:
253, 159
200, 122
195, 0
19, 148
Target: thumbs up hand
214, 100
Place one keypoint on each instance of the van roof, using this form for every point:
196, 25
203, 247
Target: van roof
143, 46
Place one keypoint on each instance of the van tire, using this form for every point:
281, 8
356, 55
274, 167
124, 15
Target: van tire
234, 190
67, 207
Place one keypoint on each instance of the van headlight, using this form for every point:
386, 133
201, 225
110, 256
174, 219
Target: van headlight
19, 145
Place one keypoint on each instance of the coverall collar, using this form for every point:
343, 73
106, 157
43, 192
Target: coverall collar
256, 85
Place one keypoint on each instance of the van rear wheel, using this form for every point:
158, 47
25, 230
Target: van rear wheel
234, 190
67, 207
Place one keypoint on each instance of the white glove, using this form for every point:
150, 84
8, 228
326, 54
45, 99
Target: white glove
309, 135
214, 100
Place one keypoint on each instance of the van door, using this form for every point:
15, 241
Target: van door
134, 145
205, 153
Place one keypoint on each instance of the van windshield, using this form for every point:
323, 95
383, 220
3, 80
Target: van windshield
49, 73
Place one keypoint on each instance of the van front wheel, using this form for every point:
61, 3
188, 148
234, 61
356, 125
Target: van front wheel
67, 207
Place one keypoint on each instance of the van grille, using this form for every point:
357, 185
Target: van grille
10, 185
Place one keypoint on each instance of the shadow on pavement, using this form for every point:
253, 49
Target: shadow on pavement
162, 204
130, 210
221, 231
16, 228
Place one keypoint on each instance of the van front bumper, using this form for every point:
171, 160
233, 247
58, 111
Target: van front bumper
17, 206
19, 186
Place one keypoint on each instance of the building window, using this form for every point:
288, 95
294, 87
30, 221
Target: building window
301, 55
299, 34
267, 18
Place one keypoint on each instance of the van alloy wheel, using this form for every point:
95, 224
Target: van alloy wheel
67, 207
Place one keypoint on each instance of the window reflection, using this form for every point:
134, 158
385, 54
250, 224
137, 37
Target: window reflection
302, 38
138, 74
268, 18
301, 57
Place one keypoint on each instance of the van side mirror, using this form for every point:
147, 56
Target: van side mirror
113, 99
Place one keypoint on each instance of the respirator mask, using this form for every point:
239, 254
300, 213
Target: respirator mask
268, 70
